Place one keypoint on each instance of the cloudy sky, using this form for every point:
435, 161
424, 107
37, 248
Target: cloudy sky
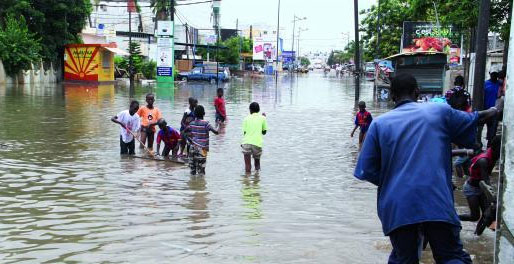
326, 19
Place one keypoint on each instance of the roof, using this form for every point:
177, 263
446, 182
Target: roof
415, 53
110, 45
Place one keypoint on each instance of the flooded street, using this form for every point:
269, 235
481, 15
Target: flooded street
68, 196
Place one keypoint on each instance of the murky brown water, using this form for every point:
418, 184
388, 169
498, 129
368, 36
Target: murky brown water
68, 196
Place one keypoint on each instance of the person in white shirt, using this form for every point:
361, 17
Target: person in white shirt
130, 123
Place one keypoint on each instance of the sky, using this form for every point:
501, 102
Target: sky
326, 21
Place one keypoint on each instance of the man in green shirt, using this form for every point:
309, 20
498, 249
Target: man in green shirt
254, 126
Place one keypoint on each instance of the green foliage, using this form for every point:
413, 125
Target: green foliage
160, 9
231, 54
149, 69
304, 61
146, 67
344, 56
461, 13
54, 22
500, 22
135, 55
392, 15
121, 62
18, 47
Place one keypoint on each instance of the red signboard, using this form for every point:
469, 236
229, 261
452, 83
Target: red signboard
131, 6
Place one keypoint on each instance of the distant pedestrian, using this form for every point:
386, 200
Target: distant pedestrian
363, 121
199, 130
130, 124
254, 127
406, 153
219, 105
149, 115
491, 91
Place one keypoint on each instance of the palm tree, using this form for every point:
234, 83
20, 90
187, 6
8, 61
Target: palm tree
160, 9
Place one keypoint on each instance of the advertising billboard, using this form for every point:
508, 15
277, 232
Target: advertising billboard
266, 49
427, 36
164, 57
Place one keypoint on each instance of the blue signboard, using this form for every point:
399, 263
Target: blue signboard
164, 71
288, 56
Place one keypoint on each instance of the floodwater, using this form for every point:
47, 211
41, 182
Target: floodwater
68, 196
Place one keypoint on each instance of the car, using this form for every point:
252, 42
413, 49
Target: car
199, 74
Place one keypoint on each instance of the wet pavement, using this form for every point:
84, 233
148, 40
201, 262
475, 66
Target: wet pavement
68, 196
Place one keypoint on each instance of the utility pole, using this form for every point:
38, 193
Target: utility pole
187, 41
216, 4
300, 30
481, 53
239, 39
278, 42
377, 48
172, 18
295, 18
131, 63
357, 48
292, 46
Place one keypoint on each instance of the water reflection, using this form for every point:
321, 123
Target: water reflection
251, 196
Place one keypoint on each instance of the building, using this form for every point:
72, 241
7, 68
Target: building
110, 20
90, 62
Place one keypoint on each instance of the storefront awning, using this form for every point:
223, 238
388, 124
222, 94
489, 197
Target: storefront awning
117, 51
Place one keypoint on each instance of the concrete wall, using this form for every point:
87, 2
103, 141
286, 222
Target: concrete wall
37, 75
504, 249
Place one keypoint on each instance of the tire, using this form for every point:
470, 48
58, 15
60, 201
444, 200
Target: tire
184, 79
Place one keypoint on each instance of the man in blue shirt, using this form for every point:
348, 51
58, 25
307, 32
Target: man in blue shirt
491, 88
407, 154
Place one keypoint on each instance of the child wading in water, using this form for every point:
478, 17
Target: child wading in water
199, 130
362, 120
170, 137
188, 117
149, 116
219, 105
129, 122
254, 126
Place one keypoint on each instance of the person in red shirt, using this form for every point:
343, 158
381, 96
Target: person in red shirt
170, 137
363, 121
481, 167
219, 105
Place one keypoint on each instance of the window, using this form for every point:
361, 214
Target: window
106, 59
103, 7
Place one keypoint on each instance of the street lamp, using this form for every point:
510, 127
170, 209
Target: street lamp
300, 30
347, 36
294, 26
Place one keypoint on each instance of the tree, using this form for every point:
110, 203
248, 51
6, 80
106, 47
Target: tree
392, 15
461, 13
230, 53
161, 9
304, 61
54, 22
135, 54
18, 47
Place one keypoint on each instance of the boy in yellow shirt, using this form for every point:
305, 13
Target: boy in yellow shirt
254, 127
